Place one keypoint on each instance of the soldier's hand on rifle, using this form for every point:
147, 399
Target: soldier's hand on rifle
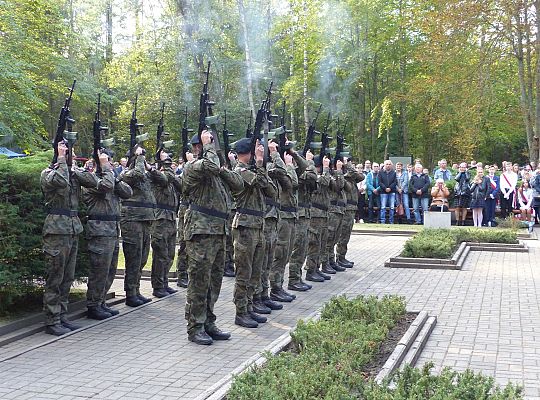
345, 160
259, 152
288, 159
326, 162
272, 147
309, 155
138, 151
163, 156
189, 156
103, 159
62, 149
231, 156
206, 137
339, 165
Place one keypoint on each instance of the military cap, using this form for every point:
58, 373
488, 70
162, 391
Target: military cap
195, 139
243, 146
317, 160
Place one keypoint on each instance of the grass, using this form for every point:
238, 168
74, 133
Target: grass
383, 227
148, 266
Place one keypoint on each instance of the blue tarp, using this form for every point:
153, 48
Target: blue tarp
10, 154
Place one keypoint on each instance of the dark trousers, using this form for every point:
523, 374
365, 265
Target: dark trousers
374, 200
490, 210
360, 212
507, 205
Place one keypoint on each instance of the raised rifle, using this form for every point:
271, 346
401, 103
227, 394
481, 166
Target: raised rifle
341, 150
282, 135
249, 130
185, 136
325, 140
160, 143
262, 123
207, 119
99, 143
226, 137
310, 136
134, 135
62, 135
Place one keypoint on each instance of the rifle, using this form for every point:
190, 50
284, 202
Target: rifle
282, 135
249, 130
160, 143
310, 136
226, 144
185, 136
134, 137
262, 122
341, 150
62, 135
97, 130
207, 119
325, 139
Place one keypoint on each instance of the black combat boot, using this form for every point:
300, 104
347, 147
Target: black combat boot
108, 309
133, 301
338, 268
298, 287
97, 313
327, 269
277, 296
245, 320
143, 299
160, 293
261, 319
342, 262
56, 329
273, 305
306, 284
217, 334
183, 281
314, 277
259, 307
200, 337
323, 275
229, 270
285, 293
66, 323
170, 290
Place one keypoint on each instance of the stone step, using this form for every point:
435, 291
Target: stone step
420, 342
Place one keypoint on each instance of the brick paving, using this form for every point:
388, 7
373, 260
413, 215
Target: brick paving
145, 354
488, 320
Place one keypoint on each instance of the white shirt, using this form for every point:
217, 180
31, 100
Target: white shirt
508, 183
525, 200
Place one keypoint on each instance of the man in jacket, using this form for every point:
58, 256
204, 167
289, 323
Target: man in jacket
373, 191
388, 182
419, 187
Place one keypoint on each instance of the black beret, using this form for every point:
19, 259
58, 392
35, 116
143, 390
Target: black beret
195, 139
243, 146
317, 161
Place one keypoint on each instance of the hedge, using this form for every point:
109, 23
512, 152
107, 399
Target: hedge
442, 243
22, 212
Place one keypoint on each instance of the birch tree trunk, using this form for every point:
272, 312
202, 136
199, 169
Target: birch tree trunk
249, 66
534, 152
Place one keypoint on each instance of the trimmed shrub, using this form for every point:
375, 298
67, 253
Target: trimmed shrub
22, 212
441, 243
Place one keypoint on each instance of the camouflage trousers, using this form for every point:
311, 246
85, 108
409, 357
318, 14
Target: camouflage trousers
103, 254
61, 254
136, 246
345, 234
163, 247
299, 250
270, 239
206, 259
229, 245
286, 228
181, 259
318, 233
248, 260
335, 221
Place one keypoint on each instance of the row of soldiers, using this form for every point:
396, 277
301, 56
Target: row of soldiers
295, 210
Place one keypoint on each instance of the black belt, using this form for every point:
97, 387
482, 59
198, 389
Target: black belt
141, 204
338, 203
319, 206
288, 209
248, 211
352, 203
103, 217
270, 202
64, 211
209, 211
166, 207
304, 205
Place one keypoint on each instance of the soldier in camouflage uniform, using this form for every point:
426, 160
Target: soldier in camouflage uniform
181, 258
135, 222
307, 183
61, 189
102, 232
336, 211
205, 229
352, 177
286, 228
166, 186
318, 232
247, 231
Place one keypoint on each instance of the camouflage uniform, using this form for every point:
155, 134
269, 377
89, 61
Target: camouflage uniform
336, 211
61, 189
135, 223
352, 177
318, 232
102, 232
205, 229
247, 232
166, 186
181, 259
307, 182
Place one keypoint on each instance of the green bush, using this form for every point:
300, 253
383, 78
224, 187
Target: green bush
413, 383
330, 353
441, 243
22, 212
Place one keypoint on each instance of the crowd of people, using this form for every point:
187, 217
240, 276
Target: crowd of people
245, 215
483, 189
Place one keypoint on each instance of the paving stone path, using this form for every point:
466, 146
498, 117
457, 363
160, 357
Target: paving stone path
488, 320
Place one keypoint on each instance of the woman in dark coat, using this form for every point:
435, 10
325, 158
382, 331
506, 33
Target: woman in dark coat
462, 194
479, 189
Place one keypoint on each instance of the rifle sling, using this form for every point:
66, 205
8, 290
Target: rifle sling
249, 211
